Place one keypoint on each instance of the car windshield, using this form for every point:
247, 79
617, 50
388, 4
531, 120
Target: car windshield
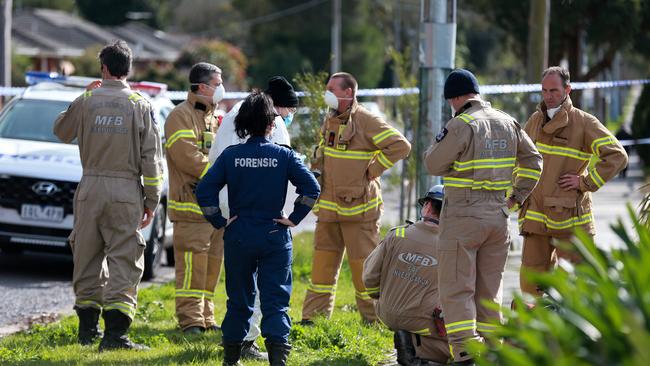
29, 119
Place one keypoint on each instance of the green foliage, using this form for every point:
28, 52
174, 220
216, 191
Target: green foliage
596, 314
229, 58
19, 65
88, 63
641, 124
110, 12
306, 137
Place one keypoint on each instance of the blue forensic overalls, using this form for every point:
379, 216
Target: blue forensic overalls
257, 173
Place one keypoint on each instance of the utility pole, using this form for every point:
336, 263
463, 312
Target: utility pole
336, 36
5, 44
437, 51
538, 20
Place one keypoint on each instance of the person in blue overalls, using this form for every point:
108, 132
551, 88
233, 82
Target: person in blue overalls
257, 237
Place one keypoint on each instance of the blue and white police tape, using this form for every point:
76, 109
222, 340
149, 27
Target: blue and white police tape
396, 92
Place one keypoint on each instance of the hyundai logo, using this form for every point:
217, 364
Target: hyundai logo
45, 188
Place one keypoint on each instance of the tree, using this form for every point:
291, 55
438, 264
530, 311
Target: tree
229, 58
110, 12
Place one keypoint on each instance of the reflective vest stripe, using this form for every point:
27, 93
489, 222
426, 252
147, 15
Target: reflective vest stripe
363, 295
125, 308
477, 184
185, 206
598, 143
384, 135
466, 118
383, 160
190, 293
178, 135
528, 173
372, 290
460, 326
484, 164
187, 280
88, 303
400, 232
598, 180
349, 211
135, 97
556, 225
485, 327
563, 151
322, 289
422, 332
350, 154
153, 181
205, 170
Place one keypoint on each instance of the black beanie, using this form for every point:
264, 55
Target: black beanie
460, 82
281, 92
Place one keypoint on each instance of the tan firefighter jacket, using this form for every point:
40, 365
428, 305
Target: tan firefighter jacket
477, 151
118, 137
402, 273
189, 132
352, 145
568, 143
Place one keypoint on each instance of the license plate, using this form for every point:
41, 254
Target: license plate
42, 213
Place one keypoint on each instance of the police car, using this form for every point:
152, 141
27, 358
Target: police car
39, 174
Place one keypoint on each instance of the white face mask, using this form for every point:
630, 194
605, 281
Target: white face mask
218, 95
332, 100
551, 112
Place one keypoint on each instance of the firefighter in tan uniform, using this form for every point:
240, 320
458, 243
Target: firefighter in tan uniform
119, 144
568, 139
355, 148
476, 152
198, 247
402, 274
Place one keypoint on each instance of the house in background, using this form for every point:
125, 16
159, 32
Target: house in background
51, 37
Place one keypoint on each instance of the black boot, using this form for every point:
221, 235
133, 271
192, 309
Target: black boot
231, 354
88, 325
116, 325
278, 353
251, 351
404, 347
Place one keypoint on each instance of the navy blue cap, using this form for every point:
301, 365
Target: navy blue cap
460, 82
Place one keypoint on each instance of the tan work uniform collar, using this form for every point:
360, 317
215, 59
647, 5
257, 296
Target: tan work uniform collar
117, 84
471, 102
198, 104
346, 116
424, 226
561, 118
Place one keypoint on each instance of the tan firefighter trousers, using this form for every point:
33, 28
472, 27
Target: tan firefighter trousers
107, 248
198, 252
472, 256
331, 240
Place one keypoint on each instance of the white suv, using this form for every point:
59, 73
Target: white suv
39, 175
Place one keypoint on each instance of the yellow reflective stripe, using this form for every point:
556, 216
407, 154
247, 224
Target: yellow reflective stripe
350, 154
135, 97
322, 289
190, 293
153, 181
477, 184
87, 94
384, 135
185, 206
528, 173
484, 164
593, 173
557, 225
598, 143
465, 118
372, 290
363, 295
460, 326
90, 303
187, 279
485, 327
205, 170
383, 160
121, 306
424, 332
563, 151
400, 232
178, 135
349, 211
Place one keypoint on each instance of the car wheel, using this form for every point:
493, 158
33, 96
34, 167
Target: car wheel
153, 251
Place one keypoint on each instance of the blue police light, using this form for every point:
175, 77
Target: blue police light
35, 77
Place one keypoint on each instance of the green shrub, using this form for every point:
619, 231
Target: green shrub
596, 314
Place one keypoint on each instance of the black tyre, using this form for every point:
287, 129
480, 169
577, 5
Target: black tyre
155, 244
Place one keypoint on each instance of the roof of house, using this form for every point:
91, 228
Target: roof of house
55, 33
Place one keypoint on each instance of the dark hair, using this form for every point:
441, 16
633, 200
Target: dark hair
255, 115
435, 204
117, 57
560, 71
201, 73
347, 81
